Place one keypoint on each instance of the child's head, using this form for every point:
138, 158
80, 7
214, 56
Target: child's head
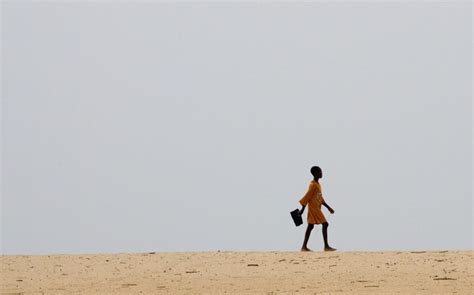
316, 172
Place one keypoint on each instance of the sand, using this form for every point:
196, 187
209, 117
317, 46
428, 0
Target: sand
438, 272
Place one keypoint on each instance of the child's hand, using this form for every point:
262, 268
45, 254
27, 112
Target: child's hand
331, 210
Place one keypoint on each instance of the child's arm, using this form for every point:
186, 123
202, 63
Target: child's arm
305, 199
327, 207
302, 209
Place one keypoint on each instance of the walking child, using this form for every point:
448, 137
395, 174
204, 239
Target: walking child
314, 199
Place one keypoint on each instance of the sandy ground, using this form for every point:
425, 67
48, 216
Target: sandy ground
440, 272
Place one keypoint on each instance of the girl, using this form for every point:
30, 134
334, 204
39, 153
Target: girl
314, 199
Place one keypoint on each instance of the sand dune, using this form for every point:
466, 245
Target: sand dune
439, 272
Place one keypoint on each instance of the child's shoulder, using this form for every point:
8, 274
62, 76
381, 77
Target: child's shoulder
315, 184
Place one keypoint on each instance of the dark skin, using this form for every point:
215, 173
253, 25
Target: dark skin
310, 227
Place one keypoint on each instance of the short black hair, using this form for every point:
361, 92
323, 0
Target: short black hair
316, 171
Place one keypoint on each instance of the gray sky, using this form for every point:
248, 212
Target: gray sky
191, 127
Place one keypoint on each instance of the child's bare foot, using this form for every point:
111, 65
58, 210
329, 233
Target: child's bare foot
305, 249
329, 249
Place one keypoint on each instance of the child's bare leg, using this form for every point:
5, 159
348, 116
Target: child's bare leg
325, 236
306, 237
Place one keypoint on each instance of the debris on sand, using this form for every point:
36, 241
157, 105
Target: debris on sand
191, 271
444, 279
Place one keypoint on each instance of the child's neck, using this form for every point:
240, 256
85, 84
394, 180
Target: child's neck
316, 179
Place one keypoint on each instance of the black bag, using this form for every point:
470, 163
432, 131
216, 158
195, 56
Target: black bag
295, 214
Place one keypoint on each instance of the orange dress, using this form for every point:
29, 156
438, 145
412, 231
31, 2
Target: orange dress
314, 199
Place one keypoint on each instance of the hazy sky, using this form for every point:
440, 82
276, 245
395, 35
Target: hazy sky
146, 126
